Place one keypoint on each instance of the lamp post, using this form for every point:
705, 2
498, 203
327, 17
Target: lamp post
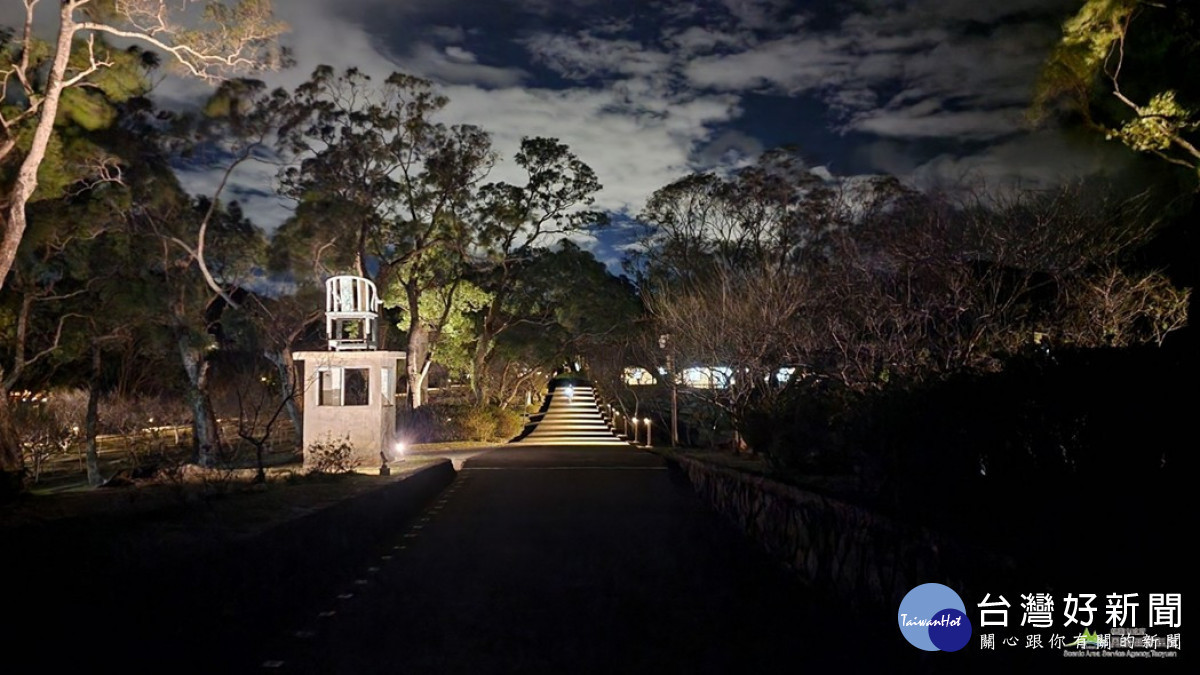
649, 442
664, 343
616, 414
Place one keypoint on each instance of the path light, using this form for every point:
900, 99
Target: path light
649, 443
384, 469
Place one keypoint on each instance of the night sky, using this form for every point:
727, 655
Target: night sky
932, 91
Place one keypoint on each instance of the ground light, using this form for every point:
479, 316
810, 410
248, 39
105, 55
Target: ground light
384, 469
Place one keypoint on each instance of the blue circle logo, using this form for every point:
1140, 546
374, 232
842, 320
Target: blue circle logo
932, 617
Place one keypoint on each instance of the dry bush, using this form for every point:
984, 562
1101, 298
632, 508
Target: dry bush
49, 426
331, 456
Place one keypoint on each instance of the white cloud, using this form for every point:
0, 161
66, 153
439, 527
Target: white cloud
632, 153
915, 122
460, 55
731, 148
793, 65
584, 56
453, 34
950, 57
1032, 161
457, 66
700, 40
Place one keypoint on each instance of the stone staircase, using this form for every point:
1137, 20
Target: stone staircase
570, 416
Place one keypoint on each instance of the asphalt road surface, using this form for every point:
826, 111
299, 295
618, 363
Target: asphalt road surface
569, 560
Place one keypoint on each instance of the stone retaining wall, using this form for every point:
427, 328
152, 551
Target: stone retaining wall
857, 556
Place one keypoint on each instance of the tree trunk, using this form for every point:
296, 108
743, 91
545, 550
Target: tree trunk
206, 435
13, 217
12, 466
483, 346
288, 389
418, 349
415, 363
90, 422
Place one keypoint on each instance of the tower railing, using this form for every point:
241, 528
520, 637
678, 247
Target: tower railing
351, 313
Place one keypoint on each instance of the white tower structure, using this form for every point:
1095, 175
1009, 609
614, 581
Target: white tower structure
350, 390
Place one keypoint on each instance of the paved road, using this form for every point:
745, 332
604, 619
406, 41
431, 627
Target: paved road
567, 560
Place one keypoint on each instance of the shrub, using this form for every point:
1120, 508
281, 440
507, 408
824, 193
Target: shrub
509, 423
445, 423
331, 456
477, 423
803, 431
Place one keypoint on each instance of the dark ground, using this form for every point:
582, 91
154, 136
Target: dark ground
532, 560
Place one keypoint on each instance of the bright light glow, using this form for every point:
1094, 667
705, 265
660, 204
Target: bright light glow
702, 377
647, 421
399, 448
638, 376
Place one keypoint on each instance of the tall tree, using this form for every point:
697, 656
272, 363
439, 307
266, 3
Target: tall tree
41, 77
515, 222
399, 184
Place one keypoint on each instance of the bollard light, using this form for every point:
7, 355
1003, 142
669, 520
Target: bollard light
649, 443
384, 469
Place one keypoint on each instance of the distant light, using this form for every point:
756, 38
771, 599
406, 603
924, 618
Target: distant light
647, 421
